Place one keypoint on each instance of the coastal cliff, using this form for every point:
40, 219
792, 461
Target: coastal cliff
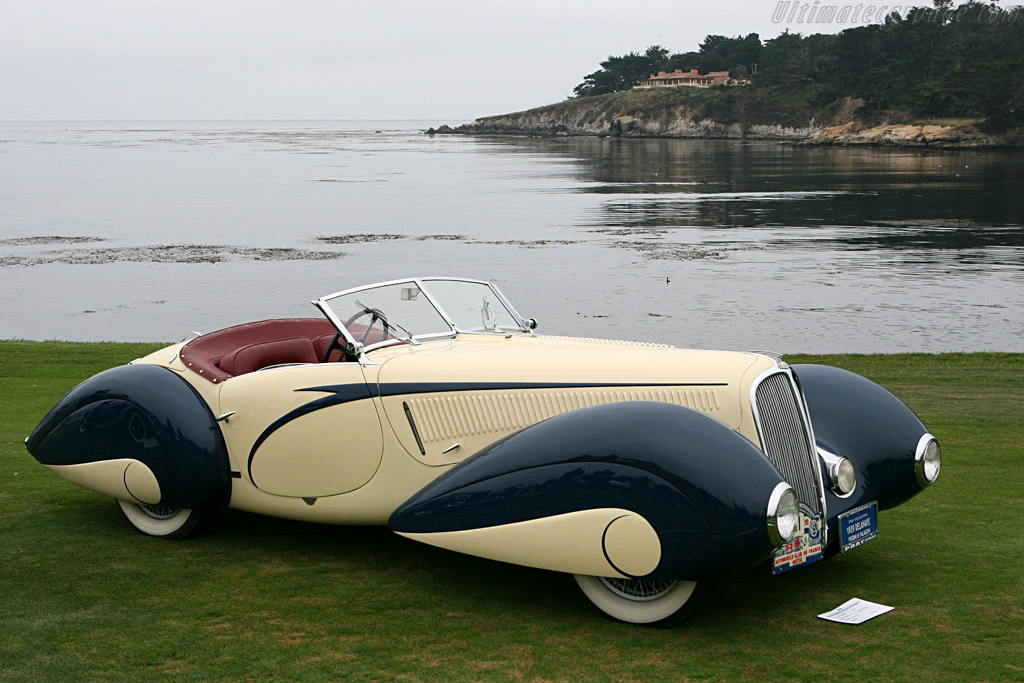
734, 113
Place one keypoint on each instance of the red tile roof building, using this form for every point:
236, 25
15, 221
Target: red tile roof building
690, 78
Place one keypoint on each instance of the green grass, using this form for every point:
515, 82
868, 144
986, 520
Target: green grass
83, 597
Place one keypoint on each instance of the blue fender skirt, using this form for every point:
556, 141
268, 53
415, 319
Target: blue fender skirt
703, 487
146, 413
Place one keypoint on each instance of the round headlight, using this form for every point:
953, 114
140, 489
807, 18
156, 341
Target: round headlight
783, 515
841, 473
843, 477
927, 460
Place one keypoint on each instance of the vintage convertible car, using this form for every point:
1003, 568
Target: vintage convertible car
430, 405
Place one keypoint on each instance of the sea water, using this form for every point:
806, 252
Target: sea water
148, 230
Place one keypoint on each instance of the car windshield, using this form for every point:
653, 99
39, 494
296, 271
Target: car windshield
419, 309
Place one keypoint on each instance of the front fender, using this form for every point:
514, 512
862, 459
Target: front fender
137, 432
860, 420
702, 488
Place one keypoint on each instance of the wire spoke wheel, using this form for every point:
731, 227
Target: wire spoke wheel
651, 602
639, 589
157, 511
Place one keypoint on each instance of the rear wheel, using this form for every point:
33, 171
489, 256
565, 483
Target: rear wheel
165, 522
651, 602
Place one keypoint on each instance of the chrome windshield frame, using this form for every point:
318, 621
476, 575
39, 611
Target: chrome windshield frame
323, 303
520, 321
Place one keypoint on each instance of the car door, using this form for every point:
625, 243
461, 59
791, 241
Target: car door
303, 431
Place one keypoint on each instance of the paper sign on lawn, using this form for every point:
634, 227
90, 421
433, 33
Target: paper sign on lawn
855, 611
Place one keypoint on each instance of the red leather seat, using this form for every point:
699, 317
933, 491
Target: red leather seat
264, 354
323, 343
208, 355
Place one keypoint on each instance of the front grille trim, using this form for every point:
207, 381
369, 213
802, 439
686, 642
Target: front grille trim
786, 438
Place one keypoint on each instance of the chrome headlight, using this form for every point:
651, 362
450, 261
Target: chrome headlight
783, 514
844, 479
927, 460
841, 473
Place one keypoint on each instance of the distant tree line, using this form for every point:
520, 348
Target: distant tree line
930, 62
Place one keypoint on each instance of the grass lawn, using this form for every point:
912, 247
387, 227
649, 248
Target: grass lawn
84, 597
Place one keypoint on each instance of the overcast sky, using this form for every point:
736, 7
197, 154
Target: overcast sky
321, 59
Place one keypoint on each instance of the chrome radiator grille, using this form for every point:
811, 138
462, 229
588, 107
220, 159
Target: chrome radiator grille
784, 437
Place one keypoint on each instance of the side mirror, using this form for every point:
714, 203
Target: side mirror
531, 323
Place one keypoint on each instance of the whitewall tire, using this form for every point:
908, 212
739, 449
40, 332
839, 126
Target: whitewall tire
162, 522
651, 602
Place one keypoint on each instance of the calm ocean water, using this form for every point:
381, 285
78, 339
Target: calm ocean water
144, 231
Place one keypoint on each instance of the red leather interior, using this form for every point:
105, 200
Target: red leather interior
264, 354
323, 343
236, 350
374, 335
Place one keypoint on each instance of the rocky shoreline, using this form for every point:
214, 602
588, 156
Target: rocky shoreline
616, 117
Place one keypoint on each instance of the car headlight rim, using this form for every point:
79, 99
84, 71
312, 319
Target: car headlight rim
843, 477
842, 474
927, 460
782, 514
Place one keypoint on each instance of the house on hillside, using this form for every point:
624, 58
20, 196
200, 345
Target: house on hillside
690, 78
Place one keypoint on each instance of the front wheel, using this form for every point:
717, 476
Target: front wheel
164, 522
652, 602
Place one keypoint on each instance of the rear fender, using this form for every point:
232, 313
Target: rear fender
139, 433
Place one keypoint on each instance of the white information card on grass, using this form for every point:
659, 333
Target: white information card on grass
855, 611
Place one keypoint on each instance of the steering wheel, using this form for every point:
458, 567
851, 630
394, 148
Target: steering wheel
375, 315
336, 344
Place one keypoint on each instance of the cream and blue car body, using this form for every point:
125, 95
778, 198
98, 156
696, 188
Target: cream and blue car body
430, 405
